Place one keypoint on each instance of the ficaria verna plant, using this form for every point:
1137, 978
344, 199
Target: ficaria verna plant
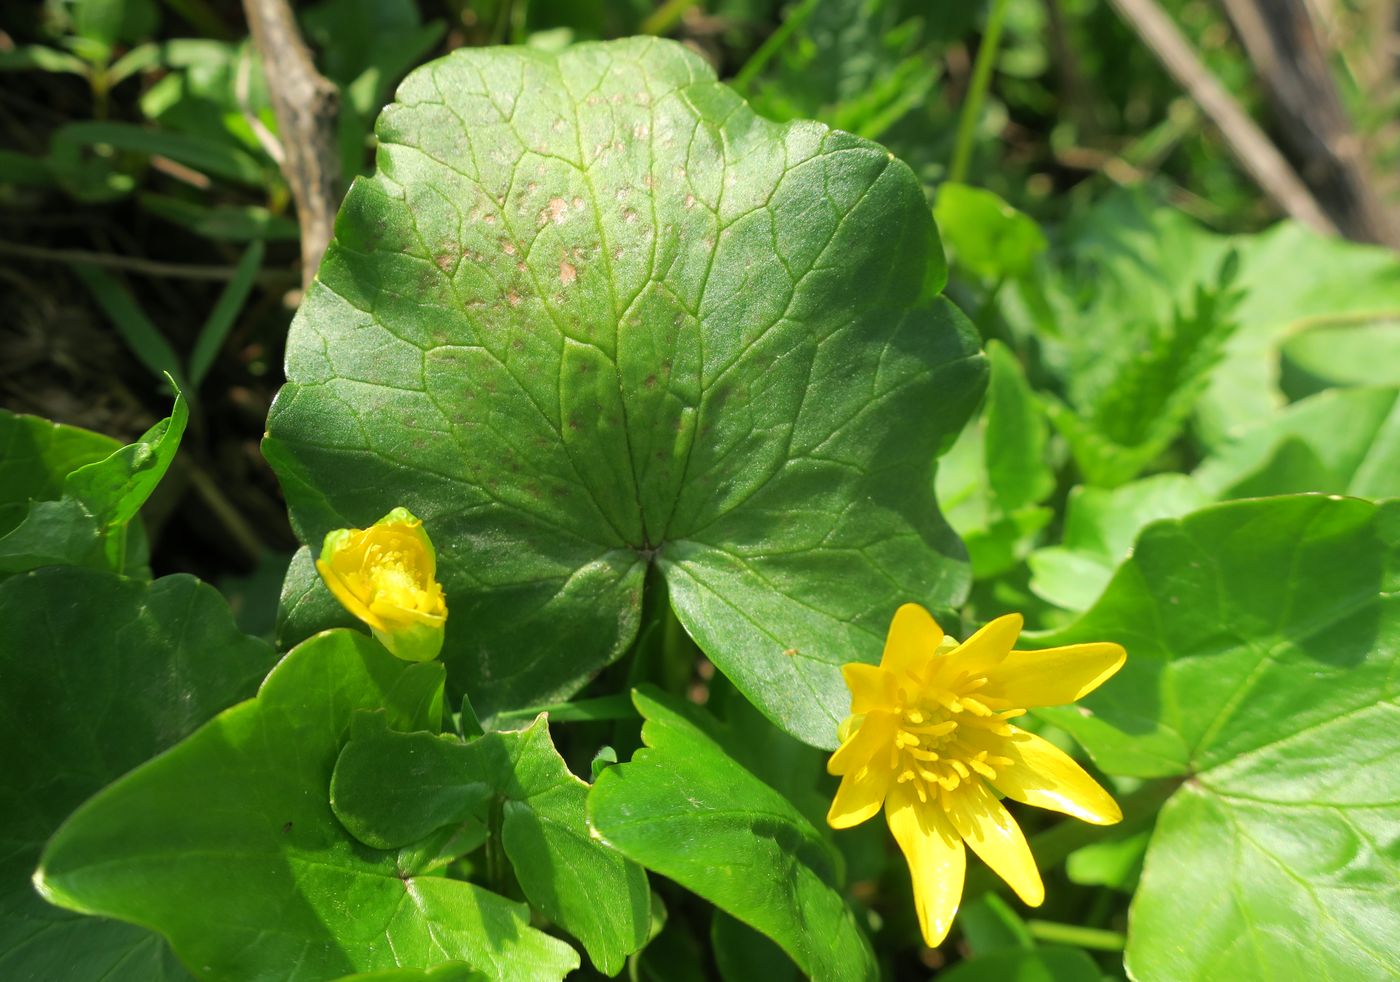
619, 428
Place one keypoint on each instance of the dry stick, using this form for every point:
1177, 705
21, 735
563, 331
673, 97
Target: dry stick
134, 264
306, 105
1283, 43
1246, 141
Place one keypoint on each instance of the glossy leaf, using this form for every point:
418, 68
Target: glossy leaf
115, 488
686, 809
97, 674
36, 455
1263, 645
592, 314
392, 788
243, 803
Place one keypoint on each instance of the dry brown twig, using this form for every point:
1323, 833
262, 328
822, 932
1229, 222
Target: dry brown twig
1256, 154
306, 105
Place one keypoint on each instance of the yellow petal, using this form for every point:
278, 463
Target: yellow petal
1054, 676
982, 652
912, 642
1044, 776
937, 861
341, 591
859, 797
875, 735
993, 834
872, 687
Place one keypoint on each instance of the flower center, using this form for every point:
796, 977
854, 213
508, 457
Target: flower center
945, 738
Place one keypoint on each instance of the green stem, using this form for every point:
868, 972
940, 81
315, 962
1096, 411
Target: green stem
760, 58
1095, 939
665, 17
977, 91
497, 865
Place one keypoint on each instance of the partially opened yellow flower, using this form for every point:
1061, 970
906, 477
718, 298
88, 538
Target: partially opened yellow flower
929, 739
386, 575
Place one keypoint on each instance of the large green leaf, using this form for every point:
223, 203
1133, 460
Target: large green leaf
227, 844
1263, 642
686, 809
391, 789
97, 674
592, 314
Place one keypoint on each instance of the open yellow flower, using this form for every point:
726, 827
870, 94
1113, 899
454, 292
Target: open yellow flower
929, 739
386, 575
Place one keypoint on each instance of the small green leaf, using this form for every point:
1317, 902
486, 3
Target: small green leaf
36, 456
986, 236
97, 674
742, 954
1339, 442
686, 809
593, 316
1263, 645
243, 804
1031, 965
1352, 351
220, 321
1100, 527
115, 488
132, 323
53, 533
37, 57
390, 789
1015, 434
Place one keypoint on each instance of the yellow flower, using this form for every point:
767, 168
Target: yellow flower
928, 739
386, 575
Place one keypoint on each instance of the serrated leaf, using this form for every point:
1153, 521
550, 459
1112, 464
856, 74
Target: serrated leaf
686, 809
97, 674
591, 315
1263, 642
243, 804
392, 788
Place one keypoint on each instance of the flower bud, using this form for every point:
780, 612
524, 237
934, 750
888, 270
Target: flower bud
386, 575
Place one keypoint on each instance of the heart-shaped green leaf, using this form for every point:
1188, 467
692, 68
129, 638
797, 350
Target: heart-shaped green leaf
591, 315
688, 810
97, 674
390, 789
227, 844
1263, 642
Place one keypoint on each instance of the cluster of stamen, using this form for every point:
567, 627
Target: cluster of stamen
935, 749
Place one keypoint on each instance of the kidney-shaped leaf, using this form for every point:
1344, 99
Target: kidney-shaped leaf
686, 809
97, 674
227, 844
1263, 664
592, 313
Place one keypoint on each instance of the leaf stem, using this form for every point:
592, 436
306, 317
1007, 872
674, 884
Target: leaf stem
760, 58
976, 91
1095, 939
